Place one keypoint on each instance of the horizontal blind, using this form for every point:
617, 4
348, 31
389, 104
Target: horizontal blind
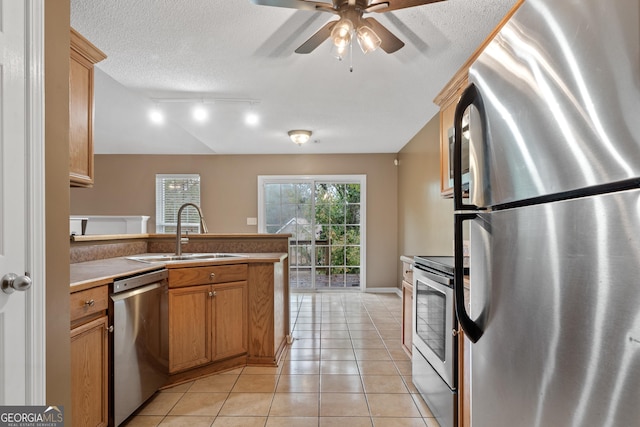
172, 191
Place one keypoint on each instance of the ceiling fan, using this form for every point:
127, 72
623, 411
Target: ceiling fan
369, 32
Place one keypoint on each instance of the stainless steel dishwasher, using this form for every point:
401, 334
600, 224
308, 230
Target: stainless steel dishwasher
140, 340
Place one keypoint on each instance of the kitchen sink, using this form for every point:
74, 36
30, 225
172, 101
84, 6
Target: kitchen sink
184, 257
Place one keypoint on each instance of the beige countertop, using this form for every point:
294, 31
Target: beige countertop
99, 237
85, 275
406, 258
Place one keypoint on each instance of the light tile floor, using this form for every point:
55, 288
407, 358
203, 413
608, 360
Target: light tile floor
346, 367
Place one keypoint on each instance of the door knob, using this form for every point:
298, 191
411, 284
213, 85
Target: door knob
12, 282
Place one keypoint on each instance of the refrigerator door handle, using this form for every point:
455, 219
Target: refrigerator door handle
470, 328
469, 97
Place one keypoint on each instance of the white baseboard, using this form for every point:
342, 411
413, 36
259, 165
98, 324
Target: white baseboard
396, 291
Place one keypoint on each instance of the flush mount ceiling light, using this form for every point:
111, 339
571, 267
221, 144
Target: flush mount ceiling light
299, 136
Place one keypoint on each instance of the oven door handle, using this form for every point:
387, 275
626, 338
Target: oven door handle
471, 329
433, 277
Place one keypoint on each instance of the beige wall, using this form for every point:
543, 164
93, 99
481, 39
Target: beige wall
425, 220
58, 363
125, 185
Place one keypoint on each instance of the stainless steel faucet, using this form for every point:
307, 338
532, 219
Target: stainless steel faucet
203, 226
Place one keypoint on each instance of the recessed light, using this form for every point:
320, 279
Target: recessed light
252, 119
200, 114
156, 116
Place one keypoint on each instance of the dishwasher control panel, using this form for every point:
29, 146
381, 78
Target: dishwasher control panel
133, 282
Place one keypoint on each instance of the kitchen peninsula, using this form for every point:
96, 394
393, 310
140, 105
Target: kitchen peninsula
223, 311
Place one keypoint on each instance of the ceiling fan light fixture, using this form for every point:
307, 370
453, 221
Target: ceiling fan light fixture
368, 39
339, 52
299, 136
341, 33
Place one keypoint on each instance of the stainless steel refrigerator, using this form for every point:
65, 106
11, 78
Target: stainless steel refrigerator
553, 214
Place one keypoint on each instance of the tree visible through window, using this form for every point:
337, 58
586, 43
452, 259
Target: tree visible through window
172, 191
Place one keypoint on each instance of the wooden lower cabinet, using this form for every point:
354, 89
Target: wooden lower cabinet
229, 318
189, 327
207, 323
225, 316
89, 373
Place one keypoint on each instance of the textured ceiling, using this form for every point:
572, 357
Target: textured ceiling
238, 58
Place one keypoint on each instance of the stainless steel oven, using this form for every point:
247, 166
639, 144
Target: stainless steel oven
435, 355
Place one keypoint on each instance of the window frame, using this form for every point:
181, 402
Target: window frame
360, 179
161, 201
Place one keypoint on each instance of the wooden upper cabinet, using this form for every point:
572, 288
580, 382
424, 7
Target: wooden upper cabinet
83, 56
448, 98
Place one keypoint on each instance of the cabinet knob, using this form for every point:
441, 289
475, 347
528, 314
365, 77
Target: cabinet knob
212, 276
90, 303
212, 294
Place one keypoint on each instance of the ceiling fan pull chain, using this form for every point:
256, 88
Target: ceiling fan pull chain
351, 57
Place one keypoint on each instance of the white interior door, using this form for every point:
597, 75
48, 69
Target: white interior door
21, 354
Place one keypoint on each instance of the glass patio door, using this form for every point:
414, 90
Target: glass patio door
324, 217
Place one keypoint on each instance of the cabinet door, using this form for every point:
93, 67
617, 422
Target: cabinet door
89, 374
447, 113
189, 327
230, 304
80, 121
83, 55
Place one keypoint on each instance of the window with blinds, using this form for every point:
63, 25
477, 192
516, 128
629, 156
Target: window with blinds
172, 191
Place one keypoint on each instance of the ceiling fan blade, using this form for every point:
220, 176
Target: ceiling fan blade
295, 4
389, 42
316, 40
389, 5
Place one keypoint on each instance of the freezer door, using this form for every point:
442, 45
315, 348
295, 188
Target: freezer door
561, 95
556, 290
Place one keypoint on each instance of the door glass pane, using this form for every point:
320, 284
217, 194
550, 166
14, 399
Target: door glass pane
321, 277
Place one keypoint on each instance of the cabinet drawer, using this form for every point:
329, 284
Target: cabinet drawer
190, 276
89, 301
407, 272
